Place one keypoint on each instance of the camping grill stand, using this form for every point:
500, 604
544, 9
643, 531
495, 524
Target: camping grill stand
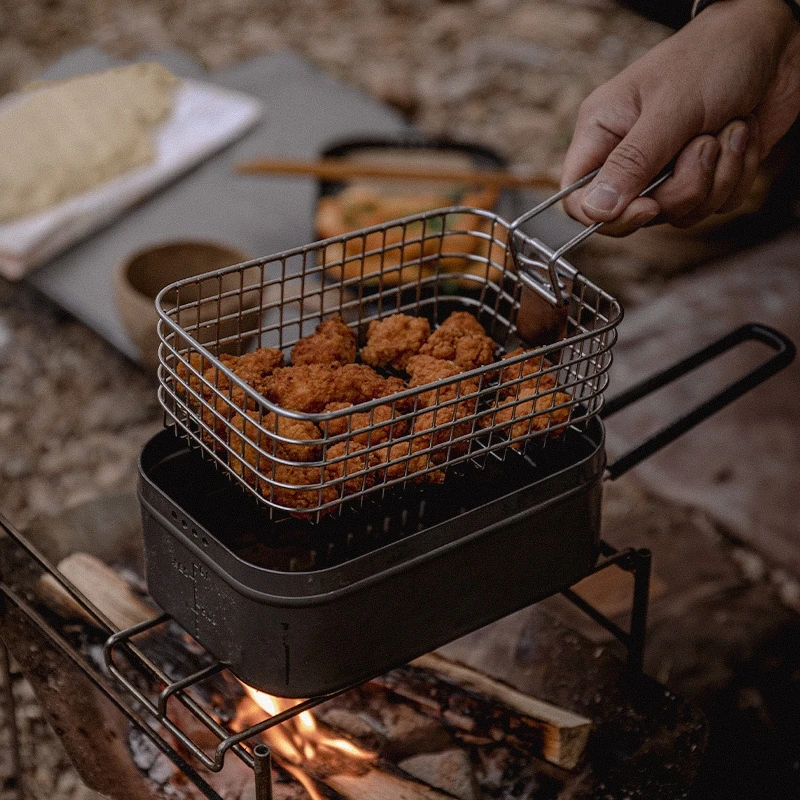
149, 716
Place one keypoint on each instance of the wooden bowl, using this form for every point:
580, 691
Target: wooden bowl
141, 276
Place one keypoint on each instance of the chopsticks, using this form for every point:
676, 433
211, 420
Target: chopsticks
340, 169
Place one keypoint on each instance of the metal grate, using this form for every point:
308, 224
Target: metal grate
145, 693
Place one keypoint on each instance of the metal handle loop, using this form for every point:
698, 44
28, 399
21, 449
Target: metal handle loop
784, 353
578, 238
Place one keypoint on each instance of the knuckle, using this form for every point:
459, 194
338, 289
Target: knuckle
630, 158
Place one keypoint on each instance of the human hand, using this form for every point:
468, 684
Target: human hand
715, 97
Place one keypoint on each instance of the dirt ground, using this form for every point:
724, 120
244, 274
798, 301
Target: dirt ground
74, 413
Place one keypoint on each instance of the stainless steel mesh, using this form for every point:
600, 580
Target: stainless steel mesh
430, 264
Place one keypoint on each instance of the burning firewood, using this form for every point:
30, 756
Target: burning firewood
479, 705
316, 754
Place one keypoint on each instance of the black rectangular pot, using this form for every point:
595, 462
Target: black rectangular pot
295, 611
300, 610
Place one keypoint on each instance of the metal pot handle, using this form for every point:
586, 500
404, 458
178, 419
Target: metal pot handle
783, 356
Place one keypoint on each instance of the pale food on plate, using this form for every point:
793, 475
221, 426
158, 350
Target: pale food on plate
62, 138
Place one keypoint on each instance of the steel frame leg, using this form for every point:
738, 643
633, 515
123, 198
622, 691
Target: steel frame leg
639, 563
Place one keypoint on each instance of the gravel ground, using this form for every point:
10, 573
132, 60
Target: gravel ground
507, 73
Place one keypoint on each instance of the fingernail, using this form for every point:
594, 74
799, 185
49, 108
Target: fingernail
709, 153
602, 198
739, 137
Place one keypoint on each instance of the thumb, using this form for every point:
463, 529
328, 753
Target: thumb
629, 168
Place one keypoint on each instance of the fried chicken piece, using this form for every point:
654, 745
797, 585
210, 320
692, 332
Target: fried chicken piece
338, 469
461, 323
332, 343
254, 368
221, 403
440, 426
425, 369
198, 363
404, 460
310, 387
368, 428
531, 366
462, 339
469, 350
311, 490
220, 406
505, 417
318, 486
358, 383
286, 438
215, 390
393, 340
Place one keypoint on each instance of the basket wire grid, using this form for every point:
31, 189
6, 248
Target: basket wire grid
428, 264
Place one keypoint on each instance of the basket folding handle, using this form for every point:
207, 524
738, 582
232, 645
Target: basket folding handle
580, 237
782, 357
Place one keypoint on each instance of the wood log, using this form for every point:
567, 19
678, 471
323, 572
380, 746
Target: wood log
110, 593
380, 785
479, 706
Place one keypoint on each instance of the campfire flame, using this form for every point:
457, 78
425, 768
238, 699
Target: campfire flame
300, 739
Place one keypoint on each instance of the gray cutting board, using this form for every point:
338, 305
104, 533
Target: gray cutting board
305, 110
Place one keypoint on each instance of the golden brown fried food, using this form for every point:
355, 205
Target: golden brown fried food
368, 428
332, 343
440, 426
326, 379
282, 437
462, 339
311, 490
461, 323
393, 340
307, 387
506, 417
310, 387
221, 399
198, 363
338, 469
287, 438
358, 383
404, 460
254, 368
531, 366
424, 369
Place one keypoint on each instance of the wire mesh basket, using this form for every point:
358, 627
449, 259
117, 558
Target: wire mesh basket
223, 332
